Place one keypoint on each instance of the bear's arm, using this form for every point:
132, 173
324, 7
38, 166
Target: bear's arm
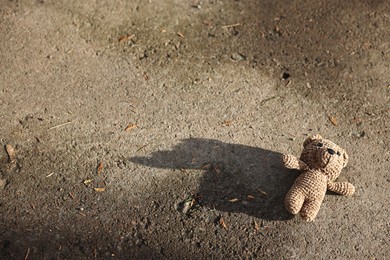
343, 188
292, 162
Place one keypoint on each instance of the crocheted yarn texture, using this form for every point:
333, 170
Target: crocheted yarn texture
321, 162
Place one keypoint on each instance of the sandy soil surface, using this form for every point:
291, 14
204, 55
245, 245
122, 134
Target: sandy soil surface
153, 129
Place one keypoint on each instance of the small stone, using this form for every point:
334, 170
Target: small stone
3, 182
238, 57
358, 134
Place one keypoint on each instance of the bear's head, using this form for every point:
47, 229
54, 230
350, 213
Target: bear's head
322, 154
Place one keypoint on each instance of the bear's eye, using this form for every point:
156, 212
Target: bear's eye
338, 153
320, 144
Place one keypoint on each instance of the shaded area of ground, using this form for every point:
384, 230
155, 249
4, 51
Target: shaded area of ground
232, 172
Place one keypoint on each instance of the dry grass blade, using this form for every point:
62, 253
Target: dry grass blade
60, 125
231, 25
257, 227
250, 197
263, 193
234, 200
27, 254
268, 99
142, 147
332, 119
11, 153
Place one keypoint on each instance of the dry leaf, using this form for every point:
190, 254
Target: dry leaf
189, 205
100, 168
227, 122
11, 153
87, 181
222, 223
131, 126
125, 38
332, 119
99, 189
234, 200
356, 120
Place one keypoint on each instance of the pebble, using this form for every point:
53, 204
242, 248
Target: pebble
358, 134
238, 57
3, 182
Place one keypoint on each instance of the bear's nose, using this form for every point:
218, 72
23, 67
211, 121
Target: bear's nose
331, 151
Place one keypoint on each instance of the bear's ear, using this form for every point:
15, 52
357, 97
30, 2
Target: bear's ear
311, 139
346, 157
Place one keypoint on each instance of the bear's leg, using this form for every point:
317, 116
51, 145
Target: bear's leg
310, 209
294, 200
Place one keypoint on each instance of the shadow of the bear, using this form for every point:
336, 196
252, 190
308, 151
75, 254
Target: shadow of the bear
236, 178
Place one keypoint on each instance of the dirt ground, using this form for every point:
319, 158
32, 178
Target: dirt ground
153, 129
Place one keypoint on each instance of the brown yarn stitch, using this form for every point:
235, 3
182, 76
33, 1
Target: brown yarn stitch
321, 162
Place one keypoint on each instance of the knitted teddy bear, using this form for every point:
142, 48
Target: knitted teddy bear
321, 163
